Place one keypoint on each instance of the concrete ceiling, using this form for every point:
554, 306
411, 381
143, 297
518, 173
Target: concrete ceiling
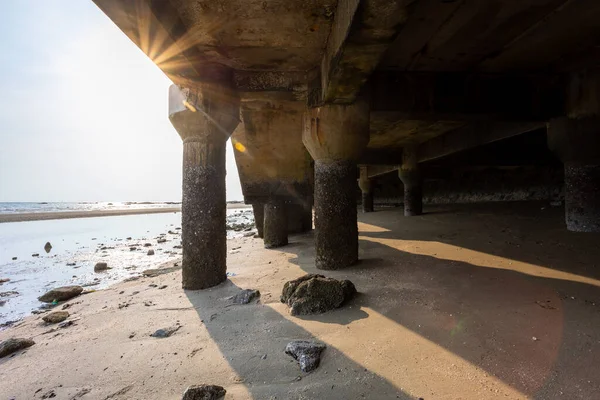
281, 35
494, 35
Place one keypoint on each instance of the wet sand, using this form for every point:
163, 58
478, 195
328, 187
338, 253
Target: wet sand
40, 216
473, 302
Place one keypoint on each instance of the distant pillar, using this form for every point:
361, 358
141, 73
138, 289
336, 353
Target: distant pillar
204, 117
367, 192
577, 143
410, 175
275, 224
336, 136
299, 217
259, 215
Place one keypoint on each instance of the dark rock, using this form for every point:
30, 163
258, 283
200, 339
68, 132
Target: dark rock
306, 352
166, 332
10, 293
150, 252
178, 246
35, 255
12, 345
66, 324
128, 238
61, 294
56, 317
132, 248
246, 296
315, 294
204, 392
3, 280
147, 244
161, 240
47, 247
14, 258
163, 287
101, 266
71, 264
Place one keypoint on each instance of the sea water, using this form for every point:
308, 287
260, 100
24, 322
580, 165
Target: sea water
84, 242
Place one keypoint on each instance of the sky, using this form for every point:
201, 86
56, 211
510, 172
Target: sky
83, 112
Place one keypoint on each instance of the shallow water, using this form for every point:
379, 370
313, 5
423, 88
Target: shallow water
84, 242
31, 207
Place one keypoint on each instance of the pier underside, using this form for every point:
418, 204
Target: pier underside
403, 107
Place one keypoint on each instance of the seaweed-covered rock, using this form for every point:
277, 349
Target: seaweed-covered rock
306, 352
246, 296
315, 294
12, 345
61, 294
204, 392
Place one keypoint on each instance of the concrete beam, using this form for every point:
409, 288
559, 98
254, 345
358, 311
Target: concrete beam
473, 135
270, 156
373, 171
467, 96
361, 32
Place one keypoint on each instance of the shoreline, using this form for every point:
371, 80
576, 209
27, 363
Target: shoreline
53, 215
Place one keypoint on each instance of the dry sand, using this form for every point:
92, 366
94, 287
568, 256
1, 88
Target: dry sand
495, 302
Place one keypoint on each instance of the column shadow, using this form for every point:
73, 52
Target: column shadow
534, 327
253, 337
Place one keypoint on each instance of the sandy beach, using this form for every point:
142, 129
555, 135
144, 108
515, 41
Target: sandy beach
42, 216
503, 305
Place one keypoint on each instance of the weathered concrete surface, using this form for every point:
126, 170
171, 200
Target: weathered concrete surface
299, 217
336, 232
366, 188
336, 136
582, 197
275, 228
479, 185
337, 132
410, 175
577, 143
259, 216
269, 153
204, 117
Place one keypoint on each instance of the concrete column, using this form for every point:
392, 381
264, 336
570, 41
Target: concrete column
577, 143
299, 217
335, 136
204, 117
365, 186
259, 217
275, 224
410, 175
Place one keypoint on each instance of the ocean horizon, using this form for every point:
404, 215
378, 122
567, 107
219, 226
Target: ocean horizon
15, 207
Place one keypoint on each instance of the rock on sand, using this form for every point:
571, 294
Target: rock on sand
315, 294
56, 317
101, 266
150, 252
306, 352
246, 296
12, 345
204, 392
61, 294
